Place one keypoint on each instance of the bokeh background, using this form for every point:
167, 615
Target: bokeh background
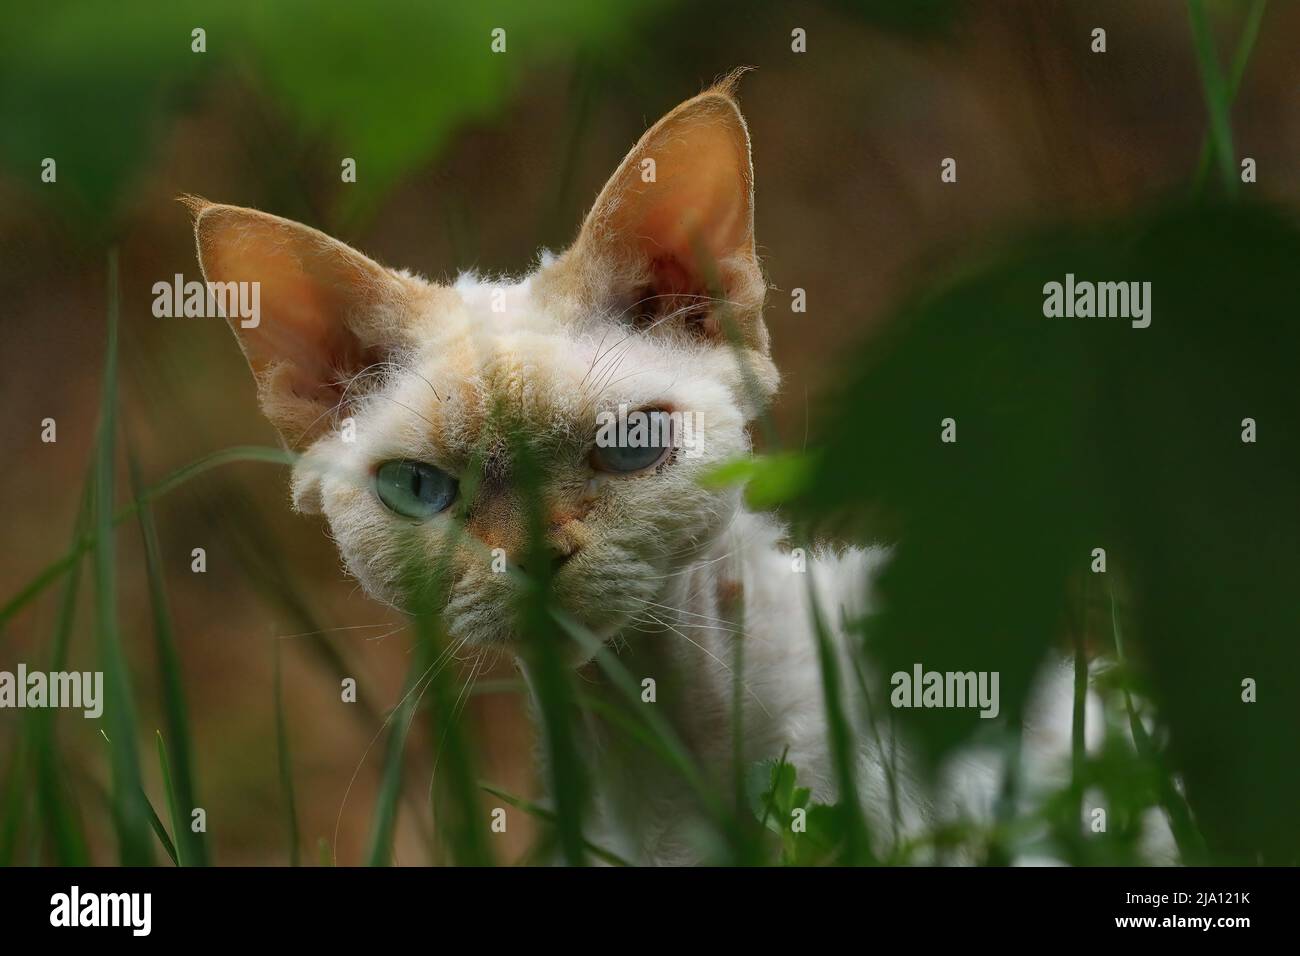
471, 159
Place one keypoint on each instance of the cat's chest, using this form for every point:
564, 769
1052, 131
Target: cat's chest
732, 670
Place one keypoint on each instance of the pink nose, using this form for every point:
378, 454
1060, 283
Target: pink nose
499, 521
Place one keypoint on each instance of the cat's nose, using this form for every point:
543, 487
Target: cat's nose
565, 536
500, 522
555, 557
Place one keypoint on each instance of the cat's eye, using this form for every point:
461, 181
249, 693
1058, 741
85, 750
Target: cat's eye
637, 442
414, 489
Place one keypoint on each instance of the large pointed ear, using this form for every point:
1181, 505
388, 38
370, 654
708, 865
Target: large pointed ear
673, 229
325, 312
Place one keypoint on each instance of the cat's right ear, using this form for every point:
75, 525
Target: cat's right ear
321, 312
670, 238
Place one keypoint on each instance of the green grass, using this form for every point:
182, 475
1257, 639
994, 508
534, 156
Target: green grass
284, 761
191, 847
1245, 47
130, 809
1218, 96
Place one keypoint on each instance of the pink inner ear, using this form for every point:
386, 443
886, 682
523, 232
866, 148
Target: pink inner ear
302, 329
326, 311
694, 218
671, 277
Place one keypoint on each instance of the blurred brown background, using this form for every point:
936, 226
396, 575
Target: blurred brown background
848, 139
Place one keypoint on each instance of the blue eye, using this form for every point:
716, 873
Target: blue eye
637, 446
414, 489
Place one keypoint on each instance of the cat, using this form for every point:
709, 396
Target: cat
393, 388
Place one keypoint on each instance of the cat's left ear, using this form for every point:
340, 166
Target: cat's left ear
672, 232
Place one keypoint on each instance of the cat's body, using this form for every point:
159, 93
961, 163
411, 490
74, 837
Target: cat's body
409, 399
686, 643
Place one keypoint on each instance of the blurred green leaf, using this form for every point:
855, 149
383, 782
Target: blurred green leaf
915, 17
1078, 433
97, 87
769, 480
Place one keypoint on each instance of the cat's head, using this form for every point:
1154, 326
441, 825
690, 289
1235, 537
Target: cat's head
408, 398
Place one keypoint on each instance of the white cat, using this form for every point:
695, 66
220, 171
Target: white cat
395, 389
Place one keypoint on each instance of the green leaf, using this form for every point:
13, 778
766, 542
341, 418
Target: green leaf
1077, 433
385, 83
774, 798
769, 480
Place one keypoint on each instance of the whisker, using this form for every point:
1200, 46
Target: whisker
719, 661
366, 753
332, 630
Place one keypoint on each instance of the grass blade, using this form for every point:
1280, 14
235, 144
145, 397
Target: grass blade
454, 787
541, 813
159, 830
13, 817
1216, 95
190, 846
1191, 845
380, 845
857, 843
155, 822
173, 808
286, 764
180, 476
1245, 47
130, 808
59, 817
544, 667
1079, 713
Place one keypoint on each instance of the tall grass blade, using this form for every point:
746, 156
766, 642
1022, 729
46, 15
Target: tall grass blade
1079, 712
51, 572
190, 846
1216, 95
1245, 47
59, 818
178, 817
155, 822
457, 811
130, 808
1191, 844
545, 667
13, 814
285, 762
380, 846
668, 744
857, 842
541, 813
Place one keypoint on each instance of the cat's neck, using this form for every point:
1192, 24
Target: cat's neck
686, 648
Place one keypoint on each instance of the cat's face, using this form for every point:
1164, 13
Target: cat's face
410, 400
